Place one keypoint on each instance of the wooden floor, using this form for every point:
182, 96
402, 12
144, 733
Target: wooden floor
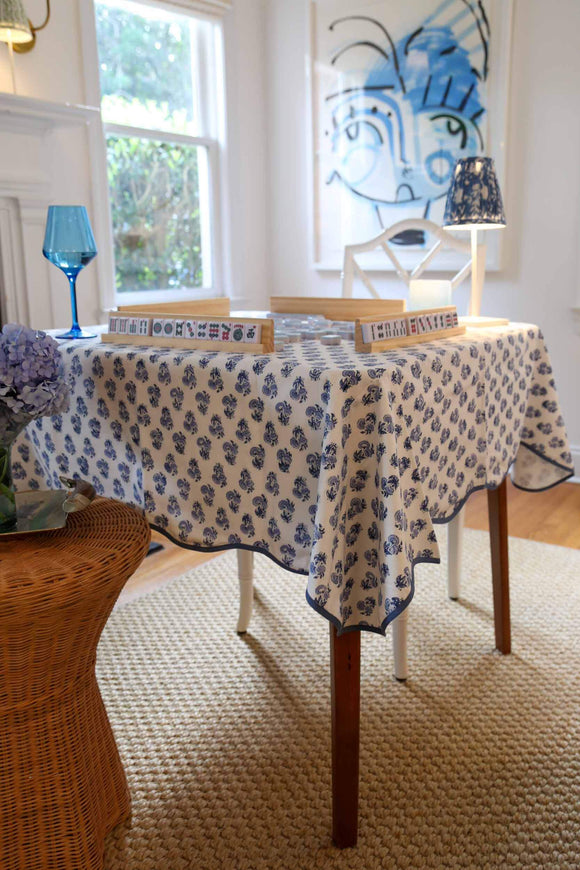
158, 568
552, 516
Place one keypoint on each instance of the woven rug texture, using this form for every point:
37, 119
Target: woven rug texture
473, 763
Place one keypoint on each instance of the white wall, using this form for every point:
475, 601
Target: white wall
245, 39
540, 278
53, 69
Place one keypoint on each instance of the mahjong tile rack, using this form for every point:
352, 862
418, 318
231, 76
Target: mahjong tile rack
373, 334
199, 331
337, 308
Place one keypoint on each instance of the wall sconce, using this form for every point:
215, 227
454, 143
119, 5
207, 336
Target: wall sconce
22, 47
14, 25
17, 30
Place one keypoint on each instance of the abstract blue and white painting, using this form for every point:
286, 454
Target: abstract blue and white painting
401, 91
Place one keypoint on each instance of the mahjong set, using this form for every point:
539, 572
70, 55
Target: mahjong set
209, 325
202, 332
412, 327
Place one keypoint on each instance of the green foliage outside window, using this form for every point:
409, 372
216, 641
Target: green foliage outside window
154, 194
146, 61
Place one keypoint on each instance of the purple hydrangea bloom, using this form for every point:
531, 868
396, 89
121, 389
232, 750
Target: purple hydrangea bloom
32, 382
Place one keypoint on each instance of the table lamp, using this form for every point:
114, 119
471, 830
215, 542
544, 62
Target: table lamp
14, 29
474, 203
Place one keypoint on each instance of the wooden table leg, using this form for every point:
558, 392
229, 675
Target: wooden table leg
498, 533
345, 700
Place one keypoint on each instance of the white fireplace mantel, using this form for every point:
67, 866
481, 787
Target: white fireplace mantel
27, 114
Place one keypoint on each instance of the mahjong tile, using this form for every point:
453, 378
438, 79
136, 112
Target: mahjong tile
252, 333
367, 332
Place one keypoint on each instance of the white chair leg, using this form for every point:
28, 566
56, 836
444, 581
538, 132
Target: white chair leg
401, 661
454, 554
246, 581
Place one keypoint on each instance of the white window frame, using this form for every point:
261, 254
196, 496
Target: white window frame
212, 104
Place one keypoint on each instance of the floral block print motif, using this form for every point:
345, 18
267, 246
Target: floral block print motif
337, 465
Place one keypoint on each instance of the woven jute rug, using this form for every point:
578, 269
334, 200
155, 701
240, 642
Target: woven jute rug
474, 762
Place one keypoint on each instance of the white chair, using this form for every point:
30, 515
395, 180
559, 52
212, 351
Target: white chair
442, 240
246, 581
353, 270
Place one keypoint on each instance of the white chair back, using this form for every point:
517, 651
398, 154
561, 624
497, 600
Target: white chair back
443, 240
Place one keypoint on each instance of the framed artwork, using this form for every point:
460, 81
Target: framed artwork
400, 90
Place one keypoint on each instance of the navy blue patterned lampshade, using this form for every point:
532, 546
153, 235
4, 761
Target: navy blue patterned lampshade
474, 198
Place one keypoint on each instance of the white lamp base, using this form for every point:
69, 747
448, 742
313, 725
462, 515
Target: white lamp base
425, 294
478, 322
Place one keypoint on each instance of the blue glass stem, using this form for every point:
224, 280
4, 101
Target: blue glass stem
73, 302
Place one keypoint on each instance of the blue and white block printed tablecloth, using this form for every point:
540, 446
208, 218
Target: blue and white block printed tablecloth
335, 464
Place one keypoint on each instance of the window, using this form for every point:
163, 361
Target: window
159, 77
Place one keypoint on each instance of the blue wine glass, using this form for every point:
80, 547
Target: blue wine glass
69, 244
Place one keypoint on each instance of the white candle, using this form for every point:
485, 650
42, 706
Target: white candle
424, 293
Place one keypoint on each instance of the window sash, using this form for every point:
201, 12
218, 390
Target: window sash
157, 135
207, 60
211, 98
196, 8
210, 225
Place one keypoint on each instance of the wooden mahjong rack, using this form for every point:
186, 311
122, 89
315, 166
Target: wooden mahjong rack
336, 307
193, 326
213, 305
373, 334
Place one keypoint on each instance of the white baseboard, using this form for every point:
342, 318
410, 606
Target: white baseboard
575, 451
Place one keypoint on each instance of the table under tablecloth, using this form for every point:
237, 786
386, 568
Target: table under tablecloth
335, 464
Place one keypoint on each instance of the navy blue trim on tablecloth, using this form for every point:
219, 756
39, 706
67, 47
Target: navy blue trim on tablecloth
199, 548
537, 453
427, 560
383, 627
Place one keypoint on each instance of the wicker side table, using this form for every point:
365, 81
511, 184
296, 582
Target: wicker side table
62, 784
